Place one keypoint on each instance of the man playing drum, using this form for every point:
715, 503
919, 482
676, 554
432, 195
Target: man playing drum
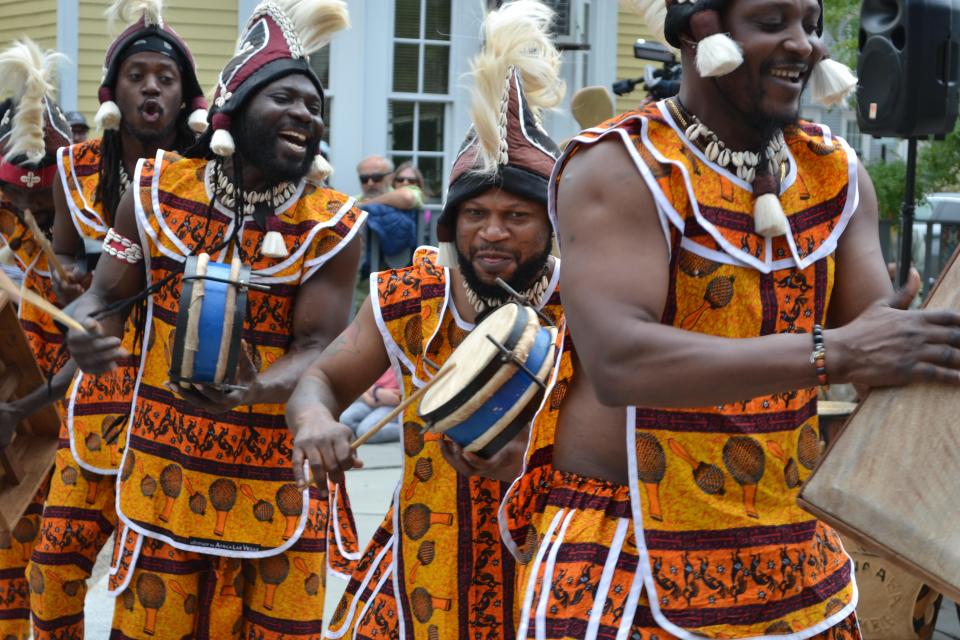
707, 240
436, 567
31, 130
150, 77
226, 544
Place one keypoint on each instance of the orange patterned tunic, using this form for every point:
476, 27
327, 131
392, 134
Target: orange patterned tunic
436, 566
725, 552
236, 464
97, 406
42, 334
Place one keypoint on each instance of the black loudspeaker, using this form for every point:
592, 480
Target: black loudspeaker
908, 67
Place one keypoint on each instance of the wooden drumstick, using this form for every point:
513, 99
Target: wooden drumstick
31, 297
44, 243
387, 419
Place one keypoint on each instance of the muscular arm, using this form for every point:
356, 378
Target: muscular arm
113, 280
615, 278
398, 198
320, 313
341, 374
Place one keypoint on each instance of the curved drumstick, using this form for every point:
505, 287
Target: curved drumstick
397, 410
682, 452
26, 295
177, 589
301, 566
44, 243
247, 491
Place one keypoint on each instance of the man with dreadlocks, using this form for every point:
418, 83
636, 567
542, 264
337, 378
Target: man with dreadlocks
32, 128
148, 80
436, 567
732, 233
221, 543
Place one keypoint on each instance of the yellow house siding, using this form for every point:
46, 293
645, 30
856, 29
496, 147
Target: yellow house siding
36, 19
630, 26
210, 31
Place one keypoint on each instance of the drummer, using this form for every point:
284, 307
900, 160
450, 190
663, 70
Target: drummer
31, 130
149, 77
206, 478
731, 286
452, 578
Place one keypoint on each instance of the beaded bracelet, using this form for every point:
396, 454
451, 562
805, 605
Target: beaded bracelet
819, 356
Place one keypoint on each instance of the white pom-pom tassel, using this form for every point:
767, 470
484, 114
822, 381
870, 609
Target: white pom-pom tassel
769, 220
108, 116
320, 170
198, 121
831, 82
222, 143
718, 55
448, 256
274, 246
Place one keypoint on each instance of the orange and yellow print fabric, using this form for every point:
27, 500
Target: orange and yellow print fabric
79, 173
236, 464
725, 551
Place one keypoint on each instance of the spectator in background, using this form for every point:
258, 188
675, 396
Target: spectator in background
78, 126
372, 406
392, 211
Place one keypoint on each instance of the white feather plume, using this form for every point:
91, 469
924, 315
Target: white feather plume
315, 20
516, 36
653, 12
26, 72
126, 12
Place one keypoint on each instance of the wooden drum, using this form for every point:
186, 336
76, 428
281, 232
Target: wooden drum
213, 302
891, 478
500, 367
26, 462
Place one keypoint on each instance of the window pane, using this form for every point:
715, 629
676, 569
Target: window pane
432, 169
436, 68
320, 61
327, 110
406, 19
399, 159
431, 126
401, 126
437, 20
405, 61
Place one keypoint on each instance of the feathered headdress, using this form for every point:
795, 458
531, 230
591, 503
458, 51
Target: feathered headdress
145, 19
516, 76
32, 128
277, 41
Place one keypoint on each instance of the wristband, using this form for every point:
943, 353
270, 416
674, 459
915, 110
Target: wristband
819, 356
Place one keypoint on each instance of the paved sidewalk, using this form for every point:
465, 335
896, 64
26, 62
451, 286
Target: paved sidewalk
370, 491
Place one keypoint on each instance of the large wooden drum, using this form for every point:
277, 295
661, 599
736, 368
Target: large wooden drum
891, 478
24, 464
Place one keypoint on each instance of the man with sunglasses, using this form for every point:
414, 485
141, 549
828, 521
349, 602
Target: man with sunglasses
392, 214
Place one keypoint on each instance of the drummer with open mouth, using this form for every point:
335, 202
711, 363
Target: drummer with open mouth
436, 566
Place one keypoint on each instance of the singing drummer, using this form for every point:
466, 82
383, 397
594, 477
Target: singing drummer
206, 478
149, 82
721, 261
436, 567
31, 129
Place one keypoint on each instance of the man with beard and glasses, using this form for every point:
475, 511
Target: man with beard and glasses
436, 567
149, 79
721, 261
206, 492
32, 128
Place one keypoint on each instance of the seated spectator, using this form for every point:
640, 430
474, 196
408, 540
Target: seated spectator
373, 406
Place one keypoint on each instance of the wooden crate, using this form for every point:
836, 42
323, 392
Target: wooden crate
24, 464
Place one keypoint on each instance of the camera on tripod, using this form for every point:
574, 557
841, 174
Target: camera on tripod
660, 83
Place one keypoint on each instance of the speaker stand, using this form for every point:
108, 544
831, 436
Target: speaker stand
906, 214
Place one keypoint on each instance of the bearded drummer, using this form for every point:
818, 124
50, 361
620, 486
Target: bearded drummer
436, 565
206, 482
721, 260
